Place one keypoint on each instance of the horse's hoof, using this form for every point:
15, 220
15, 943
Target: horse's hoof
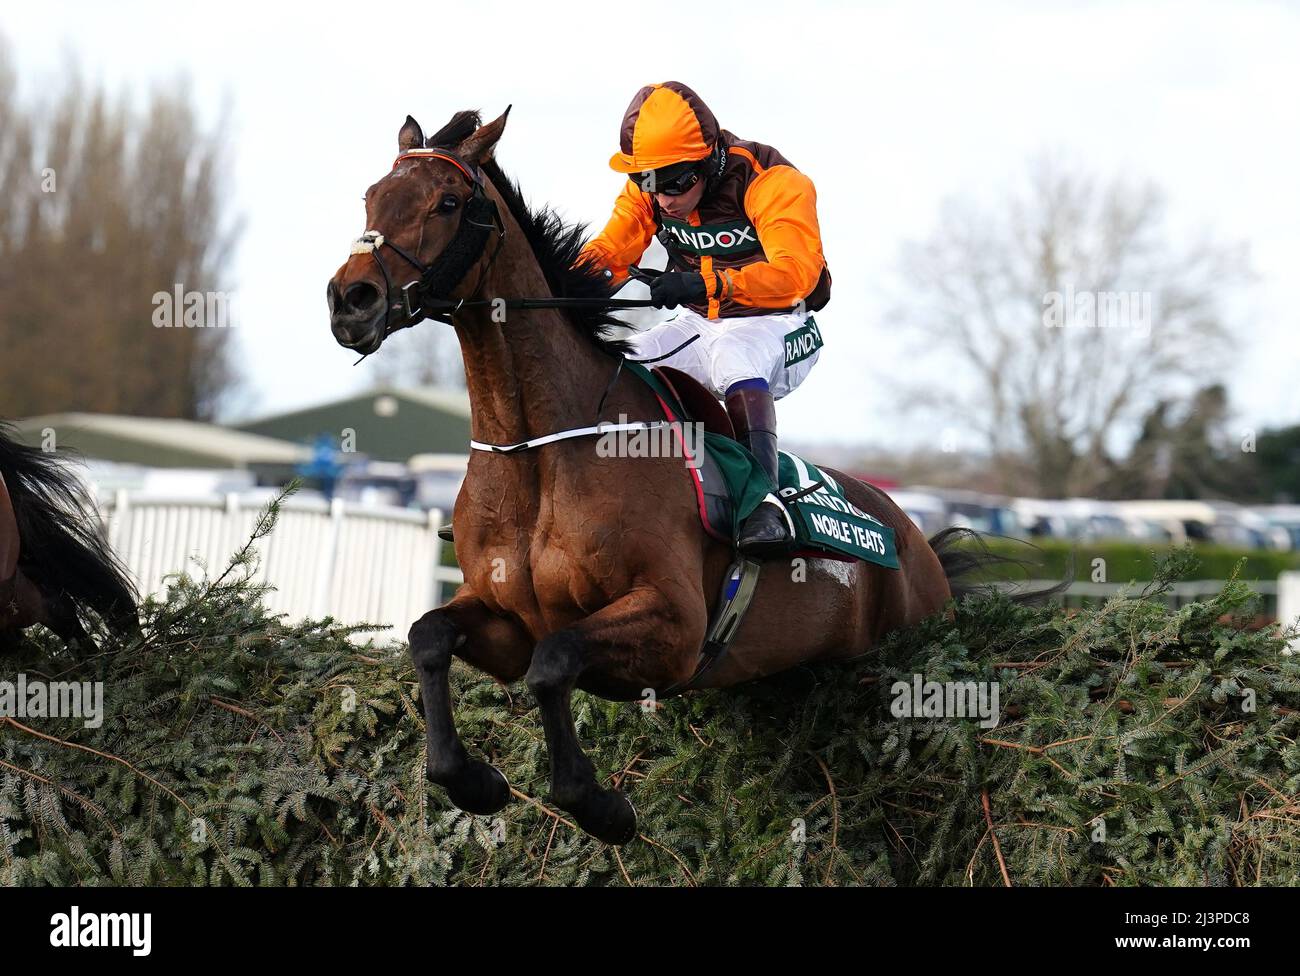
479, 788
607, 816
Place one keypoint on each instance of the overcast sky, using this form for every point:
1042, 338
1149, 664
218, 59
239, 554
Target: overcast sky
888, 107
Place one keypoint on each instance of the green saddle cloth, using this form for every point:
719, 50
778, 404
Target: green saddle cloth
824, 520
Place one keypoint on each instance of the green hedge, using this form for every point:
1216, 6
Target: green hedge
239, 749
1128, 561
1125, 561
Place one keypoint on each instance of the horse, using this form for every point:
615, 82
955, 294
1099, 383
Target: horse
55, 567
581, 571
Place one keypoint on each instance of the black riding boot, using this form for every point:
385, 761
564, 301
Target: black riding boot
753, 414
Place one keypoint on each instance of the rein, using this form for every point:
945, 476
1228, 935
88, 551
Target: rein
426, 297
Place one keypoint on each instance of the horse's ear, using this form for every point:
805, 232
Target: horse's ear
411, 136
478, 148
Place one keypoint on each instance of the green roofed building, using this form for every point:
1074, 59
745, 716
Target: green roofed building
386, 424
162, 442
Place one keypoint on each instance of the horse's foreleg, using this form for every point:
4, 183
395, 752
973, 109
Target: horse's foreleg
637, 640
474, 786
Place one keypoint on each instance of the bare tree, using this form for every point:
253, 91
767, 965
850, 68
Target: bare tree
106, 209
1075, 312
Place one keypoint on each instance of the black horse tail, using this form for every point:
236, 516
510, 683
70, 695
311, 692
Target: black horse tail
61, 548
968, 562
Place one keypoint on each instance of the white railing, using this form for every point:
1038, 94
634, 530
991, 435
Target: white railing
1281, 596
1183, 591
1288, 603
357, 564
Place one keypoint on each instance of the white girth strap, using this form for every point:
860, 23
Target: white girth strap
564, 435
367, 242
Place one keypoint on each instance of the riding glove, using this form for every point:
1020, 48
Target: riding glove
678, 288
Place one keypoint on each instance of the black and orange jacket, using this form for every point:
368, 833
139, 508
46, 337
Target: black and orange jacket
754, 236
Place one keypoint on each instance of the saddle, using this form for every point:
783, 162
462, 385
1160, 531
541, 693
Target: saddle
701, 406
825, 522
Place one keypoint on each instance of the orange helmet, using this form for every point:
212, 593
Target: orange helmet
665, 124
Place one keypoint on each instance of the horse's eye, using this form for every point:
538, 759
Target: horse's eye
448, 204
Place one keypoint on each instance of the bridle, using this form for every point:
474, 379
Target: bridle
427, 296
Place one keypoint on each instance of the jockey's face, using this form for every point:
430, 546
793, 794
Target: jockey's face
681, 206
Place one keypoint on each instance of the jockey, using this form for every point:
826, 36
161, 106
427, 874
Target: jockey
745, 263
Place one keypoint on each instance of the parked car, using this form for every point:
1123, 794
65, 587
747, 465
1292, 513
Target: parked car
438, 478
927, 510
379, 483
1283, 518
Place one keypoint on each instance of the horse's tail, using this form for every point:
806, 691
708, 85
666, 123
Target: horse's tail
62, 550
967, 562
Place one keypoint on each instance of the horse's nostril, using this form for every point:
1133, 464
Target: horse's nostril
361, 295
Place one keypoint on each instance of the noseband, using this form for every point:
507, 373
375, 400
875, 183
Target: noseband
426, 297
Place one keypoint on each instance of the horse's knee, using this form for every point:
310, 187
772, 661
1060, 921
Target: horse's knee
432, 639
556, 664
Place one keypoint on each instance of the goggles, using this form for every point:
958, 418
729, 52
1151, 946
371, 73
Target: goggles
671, 181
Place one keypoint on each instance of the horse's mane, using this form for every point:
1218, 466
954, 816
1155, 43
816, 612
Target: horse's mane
554, 243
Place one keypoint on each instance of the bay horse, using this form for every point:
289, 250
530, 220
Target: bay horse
581, 571
55, 567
